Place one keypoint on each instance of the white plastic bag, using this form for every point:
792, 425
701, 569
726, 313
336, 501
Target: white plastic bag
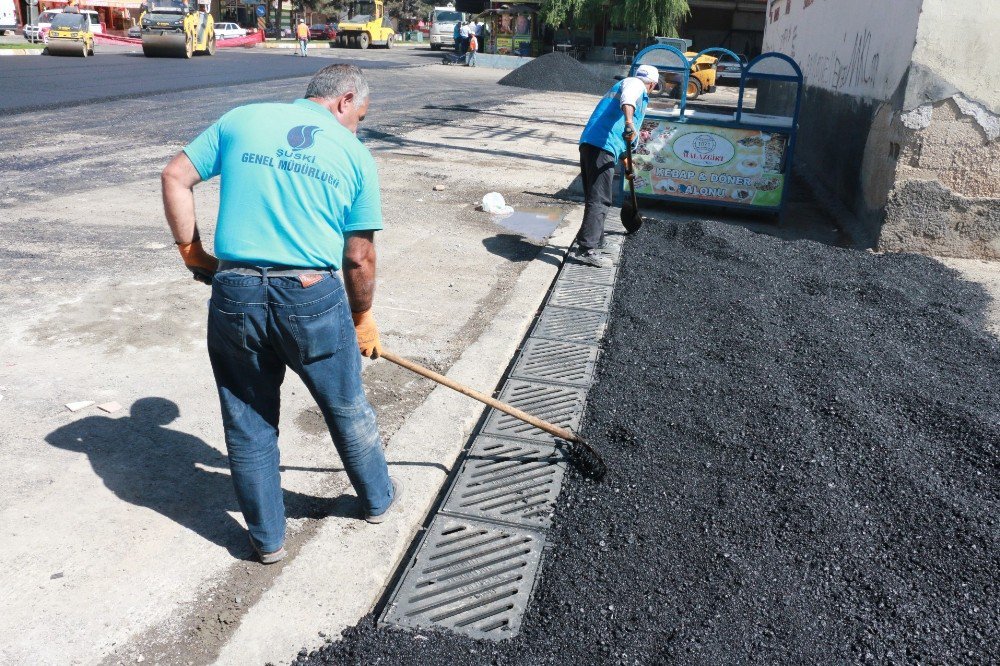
494, 204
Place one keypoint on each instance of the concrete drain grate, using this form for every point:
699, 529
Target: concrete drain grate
570, 325
582, 295
577, 272
469, 576
508, 481
560, 405
555, 361
474, 570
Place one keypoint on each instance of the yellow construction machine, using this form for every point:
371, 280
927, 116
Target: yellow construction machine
71, 34
369, 26
172, 29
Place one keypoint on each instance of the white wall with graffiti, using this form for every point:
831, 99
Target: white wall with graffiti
854, 47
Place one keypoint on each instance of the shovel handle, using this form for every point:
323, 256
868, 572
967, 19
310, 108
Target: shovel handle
550, 428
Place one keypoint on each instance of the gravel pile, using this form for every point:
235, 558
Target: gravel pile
804, 446
557, 72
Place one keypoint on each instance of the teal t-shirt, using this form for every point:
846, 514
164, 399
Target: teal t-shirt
607, 122
294, 181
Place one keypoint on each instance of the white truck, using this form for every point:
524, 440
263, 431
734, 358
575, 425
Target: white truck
8, 17
443, 21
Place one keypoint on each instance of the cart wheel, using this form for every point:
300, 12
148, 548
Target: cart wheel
364, 41
694, 88
388, 42
189, 47
83, 50
211, 46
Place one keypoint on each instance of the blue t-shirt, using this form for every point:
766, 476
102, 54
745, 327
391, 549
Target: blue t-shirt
607, 123
294, 181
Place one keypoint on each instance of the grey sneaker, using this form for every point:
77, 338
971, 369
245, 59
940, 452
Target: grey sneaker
592, 258
268, 558
397, 494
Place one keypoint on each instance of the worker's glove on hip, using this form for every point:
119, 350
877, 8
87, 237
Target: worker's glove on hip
201, 264
367, 332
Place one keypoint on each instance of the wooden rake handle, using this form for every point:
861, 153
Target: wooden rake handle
550, 428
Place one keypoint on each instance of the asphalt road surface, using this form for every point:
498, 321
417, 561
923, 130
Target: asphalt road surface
802, 445
31, 83
84, 140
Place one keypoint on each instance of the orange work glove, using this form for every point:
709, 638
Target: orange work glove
201, 264
367, 332
629, 133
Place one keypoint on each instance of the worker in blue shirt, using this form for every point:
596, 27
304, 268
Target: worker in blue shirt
602, 144
299, 200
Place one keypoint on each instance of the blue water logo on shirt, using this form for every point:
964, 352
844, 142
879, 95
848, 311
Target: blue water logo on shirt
301, 137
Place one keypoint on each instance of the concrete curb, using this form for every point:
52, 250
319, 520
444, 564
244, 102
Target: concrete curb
360, 559
21, 52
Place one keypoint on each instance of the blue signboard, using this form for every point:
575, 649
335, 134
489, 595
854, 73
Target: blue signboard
261, 10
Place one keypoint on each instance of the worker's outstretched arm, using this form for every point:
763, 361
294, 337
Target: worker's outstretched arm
178, 180
359, 280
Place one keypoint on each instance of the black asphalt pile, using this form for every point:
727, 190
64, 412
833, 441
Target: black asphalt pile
557, 72
804, 446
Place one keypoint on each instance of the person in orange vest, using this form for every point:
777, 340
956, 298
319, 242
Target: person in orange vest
470, 55
302, 34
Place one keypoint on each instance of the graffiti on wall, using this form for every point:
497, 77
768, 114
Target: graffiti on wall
845, 46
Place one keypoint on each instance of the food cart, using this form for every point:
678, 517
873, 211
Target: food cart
513, 30
717, 156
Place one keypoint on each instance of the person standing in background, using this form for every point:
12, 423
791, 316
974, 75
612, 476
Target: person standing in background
302, 34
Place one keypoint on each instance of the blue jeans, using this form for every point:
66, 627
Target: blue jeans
257, 326
303, 43
470, 58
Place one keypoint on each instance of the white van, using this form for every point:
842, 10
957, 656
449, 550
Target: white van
8, 17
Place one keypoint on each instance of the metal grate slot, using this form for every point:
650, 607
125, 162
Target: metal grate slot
570, 325
560, 405
554, 361
472, 577
509, 481
576, 272
582, 295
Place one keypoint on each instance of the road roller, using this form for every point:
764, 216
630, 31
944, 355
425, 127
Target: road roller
70, 34
368, 27
173, 29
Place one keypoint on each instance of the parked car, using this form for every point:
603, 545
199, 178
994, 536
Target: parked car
271, 32
135, 32
324, 31
38, 32
229, 31
35, 32
727, 70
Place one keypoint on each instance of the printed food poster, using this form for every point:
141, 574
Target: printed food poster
722, 164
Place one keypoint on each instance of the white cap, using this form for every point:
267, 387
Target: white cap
647, 74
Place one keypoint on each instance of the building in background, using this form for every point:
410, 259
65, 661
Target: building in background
900, 120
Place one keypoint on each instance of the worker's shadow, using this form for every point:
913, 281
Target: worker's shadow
517, 249
147, 464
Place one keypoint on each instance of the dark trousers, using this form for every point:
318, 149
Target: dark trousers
597, 168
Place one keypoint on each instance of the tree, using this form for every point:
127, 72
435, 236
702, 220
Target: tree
651, 17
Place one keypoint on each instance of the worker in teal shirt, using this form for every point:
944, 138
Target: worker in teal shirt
299, 200
602, 144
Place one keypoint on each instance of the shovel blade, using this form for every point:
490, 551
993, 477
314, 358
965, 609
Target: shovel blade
631, 218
